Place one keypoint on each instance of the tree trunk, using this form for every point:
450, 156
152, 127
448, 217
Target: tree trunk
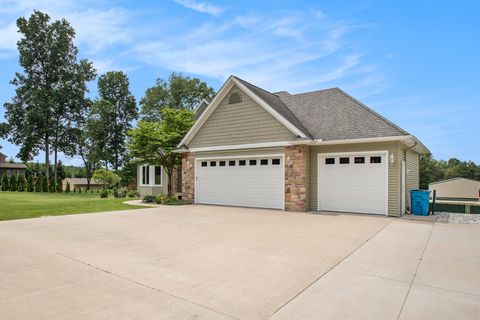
56, 160
47, 158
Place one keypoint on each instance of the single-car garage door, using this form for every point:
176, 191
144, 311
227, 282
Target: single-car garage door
353, 182
248, 182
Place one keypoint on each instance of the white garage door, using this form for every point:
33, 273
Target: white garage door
247, 182
353, 182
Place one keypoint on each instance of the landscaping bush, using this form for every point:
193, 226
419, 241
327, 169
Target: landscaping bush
39, 184
115, 192
149, 198
164, 199
79, 190
133, 194
104, 194
5, 182
51, 185
74, 190
44, 184
21, 183
30, 183
59, 185
67, 187
13, 182
122, 192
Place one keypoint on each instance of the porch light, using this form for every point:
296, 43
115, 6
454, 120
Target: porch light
392, 159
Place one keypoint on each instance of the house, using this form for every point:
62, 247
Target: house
80, 183
458, 189
316, 151
10, 168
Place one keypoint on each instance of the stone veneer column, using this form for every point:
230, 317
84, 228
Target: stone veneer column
188, 176
296, 178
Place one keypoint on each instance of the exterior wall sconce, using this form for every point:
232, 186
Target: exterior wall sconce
392, 159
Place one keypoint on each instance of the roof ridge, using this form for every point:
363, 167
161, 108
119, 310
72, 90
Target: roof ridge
372, 111
314, 91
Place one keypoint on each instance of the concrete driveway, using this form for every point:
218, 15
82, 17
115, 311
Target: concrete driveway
203, 262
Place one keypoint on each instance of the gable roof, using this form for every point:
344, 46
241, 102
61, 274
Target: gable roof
327, 116
332, 114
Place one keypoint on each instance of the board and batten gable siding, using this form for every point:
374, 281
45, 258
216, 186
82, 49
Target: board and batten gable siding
393, 170
239, 123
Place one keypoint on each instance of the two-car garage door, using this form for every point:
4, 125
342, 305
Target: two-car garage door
353, 182
256, 181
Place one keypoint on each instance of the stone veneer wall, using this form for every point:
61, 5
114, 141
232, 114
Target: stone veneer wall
296, 178
188, 176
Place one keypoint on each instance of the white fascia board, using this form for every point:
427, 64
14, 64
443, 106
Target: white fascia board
270, 110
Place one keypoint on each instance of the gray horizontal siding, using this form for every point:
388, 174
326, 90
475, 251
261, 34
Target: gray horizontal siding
239, 123
242, 152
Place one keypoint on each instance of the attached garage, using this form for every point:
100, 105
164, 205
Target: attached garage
254, 181
353, 182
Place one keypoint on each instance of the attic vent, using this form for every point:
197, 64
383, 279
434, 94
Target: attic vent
234, 98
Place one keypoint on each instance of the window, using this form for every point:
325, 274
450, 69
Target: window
375, 159
231, 163
344, 160
145, 175
275, 162
329, 160
242, 162
234, 98
221, 163
253, 162
264, 162
158, 176
204, 163
213, 163
359, 160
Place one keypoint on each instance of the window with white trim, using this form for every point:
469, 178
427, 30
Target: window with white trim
145, 175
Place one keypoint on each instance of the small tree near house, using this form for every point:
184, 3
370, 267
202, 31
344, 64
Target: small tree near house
30, 183
13, 182
5, 182
106, 178
21, 183
154, 142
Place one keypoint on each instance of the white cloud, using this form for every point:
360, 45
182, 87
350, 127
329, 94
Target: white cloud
202, 7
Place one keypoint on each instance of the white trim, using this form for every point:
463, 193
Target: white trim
219, 97
239, 157
319, 155
241, 146
270, 110
403, 179
151, 176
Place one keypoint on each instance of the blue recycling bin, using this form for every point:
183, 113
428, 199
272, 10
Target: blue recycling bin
420, 200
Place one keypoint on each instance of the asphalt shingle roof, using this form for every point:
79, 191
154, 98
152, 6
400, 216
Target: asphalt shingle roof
329, 114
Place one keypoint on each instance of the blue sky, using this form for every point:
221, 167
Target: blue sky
415, 62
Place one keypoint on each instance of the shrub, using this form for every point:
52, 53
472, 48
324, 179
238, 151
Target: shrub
5, 182
21, 183
52, 185
133, 194
59, 185
39, 184
165, 199
79, 190
74, 190
149, 198
122, 192
13, 182
67, 187
30, 183
104, 194
98, 190
115, 192
44, 184
91, 190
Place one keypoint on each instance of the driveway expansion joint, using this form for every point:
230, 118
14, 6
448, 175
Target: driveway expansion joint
144, 285
326, 272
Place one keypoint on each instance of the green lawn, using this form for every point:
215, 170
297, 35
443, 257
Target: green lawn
23, 205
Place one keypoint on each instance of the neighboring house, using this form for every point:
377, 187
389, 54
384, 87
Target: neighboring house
319, 151
10, 168
459, 189
80, 183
